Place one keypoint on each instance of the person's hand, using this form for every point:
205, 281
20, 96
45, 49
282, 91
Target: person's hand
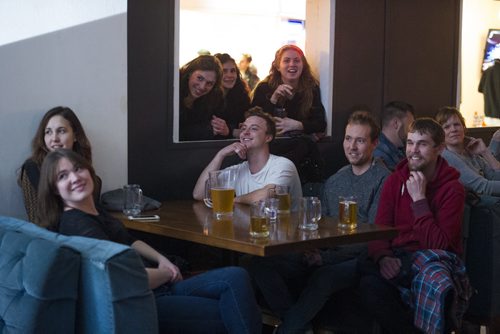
219, 126
171, 269
389, 267
476, 146
283, 92
287, 124
234, 148
416, 185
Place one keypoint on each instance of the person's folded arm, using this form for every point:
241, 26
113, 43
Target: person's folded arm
254, 196
234, 148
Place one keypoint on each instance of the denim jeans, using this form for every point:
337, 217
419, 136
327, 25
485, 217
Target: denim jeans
217, 301
297, 292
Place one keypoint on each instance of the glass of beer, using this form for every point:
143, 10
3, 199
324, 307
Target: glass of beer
310, 213
348, 212
219, 192
282, 193
258, 220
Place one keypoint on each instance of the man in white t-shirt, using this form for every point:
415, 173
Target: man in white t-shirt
261, 171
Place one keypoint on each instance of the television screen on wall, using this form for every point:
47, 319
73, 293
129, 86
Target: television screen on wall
491, 48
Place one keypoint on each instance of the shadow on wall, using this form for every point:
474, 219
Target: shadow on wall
84, 67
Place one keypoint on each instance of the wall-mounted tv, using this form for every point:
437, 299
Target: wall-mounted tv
491, 48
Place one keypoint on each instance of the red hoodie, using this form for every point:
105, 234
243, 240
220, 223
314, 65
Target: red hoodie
431, 223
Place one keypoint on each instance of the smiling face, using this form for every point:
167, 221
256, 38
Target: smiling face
421, 151
58, 134
229, 74
358, 146
290, 66
454, 131
201, 83
73, 184
253, 132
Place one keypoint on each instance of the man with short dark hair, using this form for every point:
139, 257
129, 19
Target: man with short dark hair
424, 200
261, 170
395, 119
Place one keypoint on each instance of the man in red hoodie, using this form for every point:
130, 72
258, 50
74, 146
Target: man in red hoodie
424, 200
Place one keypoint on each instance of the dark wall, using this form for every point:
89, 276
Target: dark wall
384, 50
165, 170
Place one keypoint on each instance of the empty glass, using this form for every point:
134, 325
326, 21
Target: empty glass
310, 213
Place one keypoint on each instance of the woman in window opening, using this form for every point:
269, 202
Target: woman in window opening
291, 86
201, 104
291, 94
236, 93
216, 301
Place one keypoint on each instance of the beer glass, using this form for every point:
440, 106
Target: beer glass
219, 192
132, 199
310, 213
282, 193
258, 220
348, 212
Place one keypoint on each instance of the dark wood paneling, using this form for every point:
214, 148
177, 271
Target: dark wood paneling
421, 53
359, 53
165, 170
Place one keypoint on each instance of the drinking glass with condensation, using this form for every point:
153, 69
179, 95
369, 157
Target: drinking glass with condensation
258, 220
132, 199
282, 193
310, 213
348, 212
219, 192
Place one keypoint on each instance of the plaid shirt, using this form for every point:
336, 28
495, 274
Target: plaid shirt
435, 273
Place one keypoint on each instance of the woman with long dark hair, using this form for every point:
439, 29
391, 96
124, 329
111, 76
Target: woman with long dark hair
217, 301
236, 93
201, 110
59, 128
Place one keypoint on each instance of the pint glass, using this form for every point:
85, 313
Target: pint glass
348, 212
132, 199
258, 220
282, 193
219, 192
310, 213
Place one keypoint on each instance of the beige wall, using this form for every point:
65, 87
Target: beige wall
477, 17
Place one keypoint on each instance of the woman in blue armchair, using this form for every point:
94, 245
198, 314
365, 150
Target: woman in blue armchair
217, 301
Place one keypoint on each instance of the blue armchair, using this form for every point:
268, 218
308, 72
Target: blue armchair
50, 283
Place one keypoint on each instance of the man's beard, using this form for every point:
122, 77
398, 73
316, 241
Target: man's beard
416, 167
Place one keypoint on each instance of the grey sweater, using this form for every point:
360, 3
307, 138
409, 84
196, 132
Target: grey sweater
365, 187
475, 173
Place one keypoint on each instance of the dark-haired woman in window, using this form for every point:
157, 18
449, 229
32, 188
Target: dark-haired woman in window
201, 104
236, 93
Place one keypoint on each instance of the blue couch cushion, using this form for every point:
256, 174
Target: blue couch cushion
113, 291
38, 284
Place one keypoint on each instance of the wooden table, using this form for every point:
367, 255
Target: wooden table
193, 221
